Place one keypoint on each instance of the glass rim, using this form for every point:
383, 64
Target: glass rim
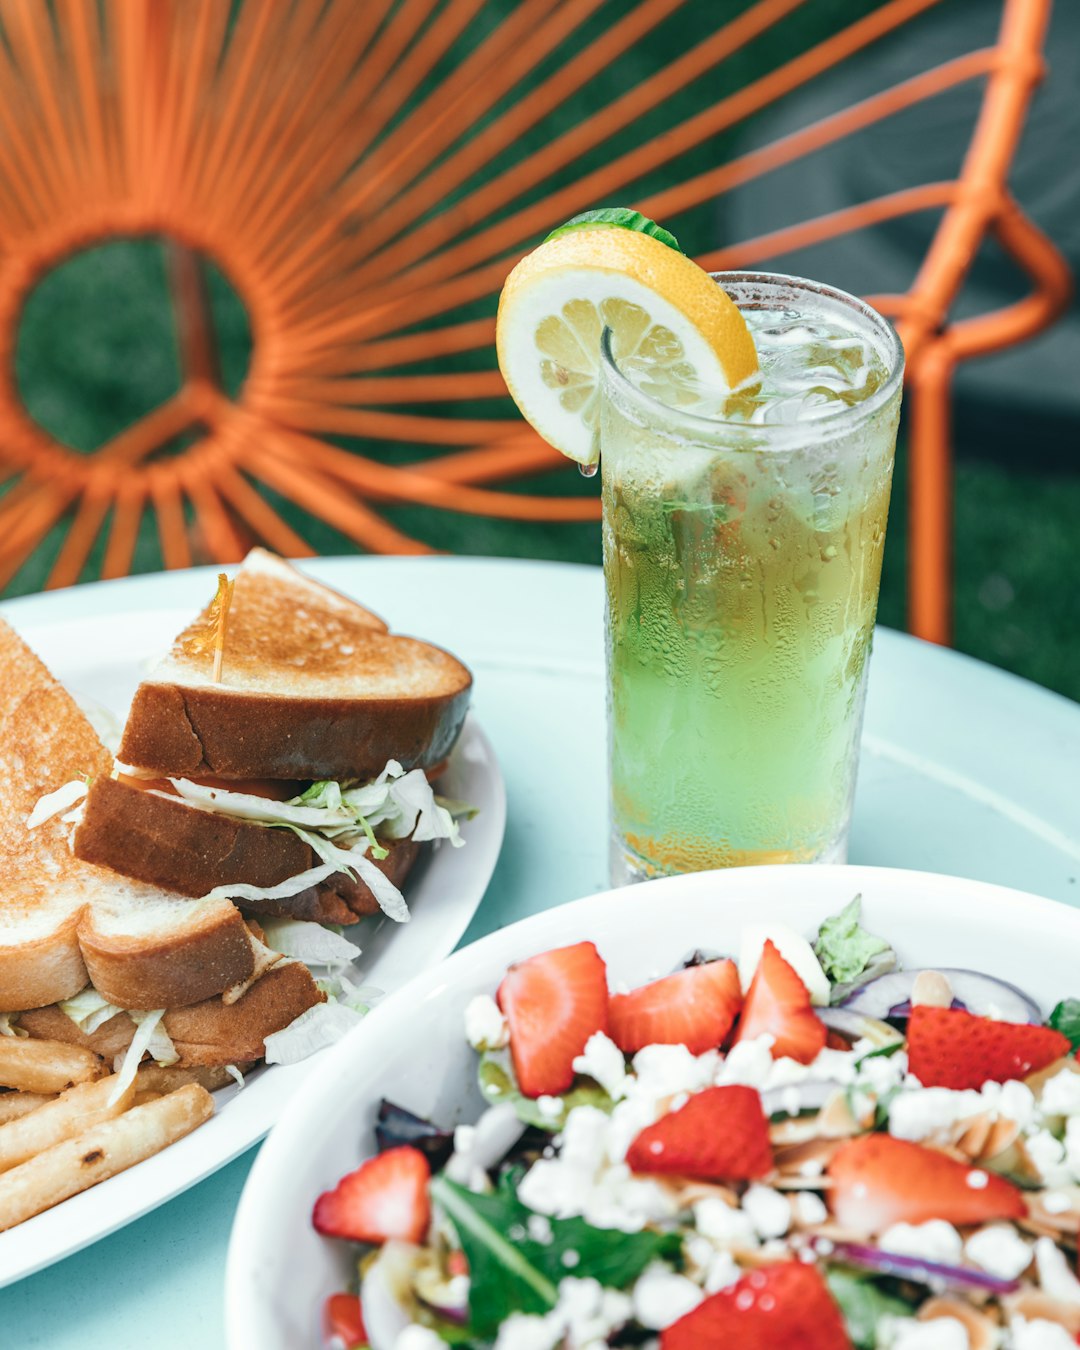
841, 421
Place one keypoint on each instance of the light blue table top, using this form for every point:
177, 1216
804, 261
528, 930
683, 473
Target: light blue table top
965, 770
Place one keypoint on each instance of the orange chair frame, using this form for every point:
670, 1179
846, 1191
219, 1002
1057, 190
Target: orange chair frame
272, 147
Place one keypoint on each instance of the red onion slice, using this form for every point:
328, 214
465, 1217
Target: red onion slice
856, 1026
890, 996
931, 1273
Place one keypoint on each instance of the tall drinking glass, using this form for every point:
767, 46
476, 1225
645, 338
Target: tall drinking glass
743, 535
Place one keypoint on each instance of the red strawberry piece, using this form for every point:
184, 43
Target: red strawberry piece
877, 1181
778, 1004
553, 1003
343, 1325
783, 1307
386, 1197
694, 1007
720, 1134
950, 1048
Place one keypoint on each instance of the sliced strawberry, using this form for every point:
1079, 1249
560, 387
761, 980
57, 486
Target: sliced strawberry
877, 1181
343, 1325
553, 1003
783, 1307
777, 1003
386, 1197
950, 1048
721, 1134
694, 1007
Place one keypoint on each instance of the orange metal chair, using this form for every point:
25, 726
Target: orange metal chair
286, 143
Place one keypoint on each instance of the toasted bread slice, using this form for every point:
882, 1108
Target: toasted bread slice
311, 686
165, 841
65, 923
205, 1033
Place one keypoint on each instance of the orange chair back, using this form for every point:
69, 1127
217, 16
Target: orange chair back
290, 144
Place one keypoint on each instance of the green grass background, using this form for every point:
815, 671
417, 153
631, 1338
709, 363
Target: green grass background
97, 349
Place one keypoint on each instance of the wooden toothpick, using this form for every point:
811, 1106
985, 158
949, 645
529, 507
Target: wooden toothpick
221, 604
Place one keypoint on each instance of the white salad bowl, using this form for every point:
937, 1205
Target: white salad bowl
412, 1049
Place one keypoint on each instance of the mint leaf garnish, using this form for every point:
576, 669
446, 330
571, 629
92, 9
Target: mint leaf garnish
621, 216
512, 1270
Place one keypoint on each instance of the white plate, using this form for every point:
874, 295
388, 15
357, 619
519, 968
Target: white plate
412, 1048
102, 659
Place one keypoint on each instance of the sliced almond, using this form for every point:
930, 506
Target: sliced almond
930, 989
983, 1331
1033, 1303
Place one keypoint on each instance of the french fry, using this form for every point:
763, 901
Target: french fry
168, 1077
46, 1066
15, 1105
99, 1153
70, 1114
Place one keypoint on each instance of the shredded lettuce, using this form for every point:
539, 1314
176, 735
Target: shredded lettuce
260, 810
283, 889
150, 1036
312, 943
396, 803
399, 805
55, 803
235, 1074
338, 821
89, 1010
8, 1026
346, 1006
356, 863
849, 955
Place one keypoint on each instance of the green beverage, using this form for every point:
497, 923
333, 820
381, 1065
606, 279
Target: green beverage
743, 535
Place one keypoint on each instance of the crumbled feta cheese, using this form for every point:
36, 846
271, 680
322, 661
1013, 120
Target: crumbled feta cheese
418, 1338
1072, 1145
808, 1208
583, 1319
934, 1240
1061, 1094
485, 1026
724, 1224
751, 1064
661, 1073
588, 1313
522, 1332
879, 1074
748, 1063
999, 1250
1047, 1155
583, 1179
916, 1112
551, 1108
1055, 1277
723, 1271
767, 1210
539, 1229
1056, 1202
662, 1297
1038, 1334
937, 1333
604, 1062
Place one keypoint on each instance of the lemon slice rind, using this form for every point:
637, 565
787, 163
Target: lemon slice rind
555, 301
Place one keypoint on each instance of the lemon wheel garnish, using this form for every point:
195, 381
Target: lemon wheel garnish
673, 327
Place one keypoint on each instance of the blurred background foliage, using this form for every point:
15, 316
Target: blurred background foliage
97, 349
